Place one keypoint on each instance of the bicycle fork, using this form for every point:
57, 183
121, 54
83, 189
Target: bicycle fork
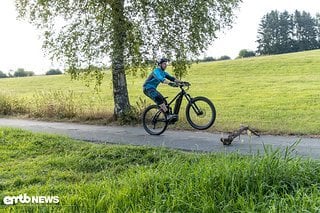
195, 108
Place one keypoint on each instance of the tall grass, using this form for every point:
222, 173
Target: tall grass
57, 104
111, 178
12, 105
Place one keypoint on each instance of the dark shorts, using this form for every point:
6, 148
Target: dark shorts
154, 95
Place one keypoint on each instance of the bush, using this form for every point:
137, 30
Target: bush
3, 75
54, 72
134, 114
246, 53
207, 59
11, 106
22, 73
224, 57
56, 104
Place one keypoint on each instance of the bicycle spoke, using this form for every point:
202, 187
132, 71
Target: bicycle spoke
201, 113
154, 121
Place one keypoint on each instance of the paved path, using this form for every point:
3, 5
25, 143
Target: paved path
184, 140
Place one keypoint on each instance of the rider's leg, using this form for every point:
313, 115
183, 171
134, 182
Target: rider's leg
160, 101
163, 107
157, 98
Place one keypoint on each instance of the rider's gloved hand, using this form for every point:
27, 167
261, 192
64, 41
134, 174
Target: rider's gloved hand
173, 84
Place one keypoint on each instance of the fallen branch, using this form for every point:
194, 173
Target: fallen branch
233, 135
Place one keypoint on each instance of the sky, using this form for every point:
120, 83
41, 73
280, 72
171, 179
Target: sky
20, 46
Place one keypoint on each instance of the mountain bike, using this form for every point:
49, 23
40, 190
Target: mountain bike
200, 112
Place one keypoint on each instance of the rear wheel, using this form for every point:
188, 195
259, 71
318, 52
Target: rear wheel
154, 120
201, 113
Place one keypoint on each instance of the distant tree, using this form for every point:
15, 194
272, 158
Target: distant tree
244, 53
22, 73
305, 32
224, 57
30, 73
208, 58
285, 42
268, 34
54, 72
3, 75
318, 26
11, 74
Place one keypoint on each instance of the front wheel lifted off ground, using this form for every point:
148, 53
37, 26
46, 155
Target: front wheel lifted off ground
201, 113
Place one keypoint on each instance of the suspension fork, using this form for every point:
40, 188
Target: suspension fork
197, 110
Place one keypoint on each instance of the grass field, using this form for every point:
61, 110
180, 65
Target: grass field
110, 178
275, 94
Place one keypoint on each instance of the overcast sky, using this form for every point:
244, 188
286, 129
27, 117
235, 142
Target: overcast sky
20, 46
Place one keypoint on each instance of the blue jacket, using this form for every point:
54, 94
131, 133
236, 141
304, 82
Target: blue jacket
158, 75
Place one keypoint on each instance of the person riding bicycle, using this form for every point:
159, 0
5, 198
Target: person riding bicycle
159, 75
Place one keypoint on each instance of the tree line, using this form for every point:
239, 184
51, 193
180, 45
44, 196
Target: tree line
20, 72
210, 58
282, 32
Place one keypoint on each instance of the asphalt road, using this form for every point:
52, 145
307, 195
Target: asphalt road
183, 140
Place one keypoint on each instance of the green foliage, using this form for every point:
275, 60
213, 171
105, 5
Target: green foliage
133, 116
111, 178
283, 33
12, 105
22, 73
55, 104
246, 53
180, 68
307, 31
208, 59
54, 72
5, 105
130, 33
89, 75
224, 57
3, 75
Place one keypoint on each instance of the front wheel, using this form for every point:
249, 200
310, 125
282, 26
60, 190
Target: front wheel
200, 113
154, 120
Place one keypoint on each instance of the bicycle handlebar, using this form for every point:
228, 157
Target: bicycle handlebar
183, 84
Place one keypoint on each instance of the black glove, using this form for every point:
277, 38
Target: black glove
173, 84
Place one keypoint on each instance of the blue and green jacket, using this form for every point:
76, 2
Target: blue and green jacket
158, 75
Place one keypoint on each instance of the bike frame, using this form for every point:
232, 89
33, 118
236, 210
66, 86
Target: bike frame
178, 100
193, 107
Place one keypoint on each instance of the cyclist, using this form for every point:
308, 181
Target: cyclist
159, 75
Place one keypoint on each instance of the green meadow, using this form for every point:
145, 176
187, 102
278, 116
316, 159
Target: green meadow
96, 178
274, 94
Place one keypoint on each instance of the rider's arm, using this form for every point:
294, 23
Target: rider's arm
171, 78
158, 75
164, 77
166, 81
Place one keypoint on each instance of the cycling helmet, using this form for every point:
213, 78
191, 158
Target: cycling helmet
162, 60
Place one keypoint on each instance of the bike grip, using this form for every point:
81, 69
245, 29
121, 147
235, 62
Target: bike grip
172, 84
